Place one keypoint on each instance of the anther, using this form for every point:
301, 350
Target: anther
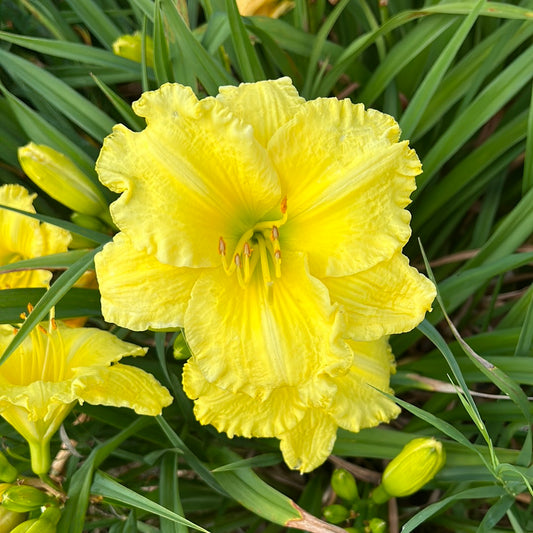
23, 316
53, 323
42, 330
274, 235
246, 250
284, 205
237, 260
30, 308
221, 246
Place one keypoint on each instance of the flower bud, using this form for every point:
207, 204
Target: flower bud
130, 47
377, 525
8, 472
417, 463
335, 514
23, 498
343, 483
60, 178
181, 349
9, 519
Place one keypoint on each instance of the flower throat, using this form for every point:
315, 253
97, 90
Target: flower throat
257, 246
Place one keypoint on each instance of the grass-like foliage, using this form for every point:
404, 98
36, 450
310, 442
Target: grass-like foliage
458, 78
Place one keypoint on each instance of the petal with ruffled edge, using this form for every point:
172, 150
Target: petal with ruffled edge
123, 386
307, 445
391, 297
265, 105
347, 182
196, 173
246, 341
240, 414
91, 347
138, 292
39, 399
357, 403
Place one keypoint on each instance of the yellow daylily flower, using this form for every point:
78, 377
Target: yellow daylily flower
305, 418
55, 368
271, 228
22, 237
266, 8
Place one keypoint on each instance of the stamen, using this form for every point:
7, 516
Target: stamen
283, 205
247, 252
274, 235
23, 316
30, 307
265, 270
238, 264
221, 246
277, 263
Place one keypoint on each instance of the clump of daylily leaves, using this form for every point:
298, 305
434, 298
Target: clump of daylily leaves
418, 462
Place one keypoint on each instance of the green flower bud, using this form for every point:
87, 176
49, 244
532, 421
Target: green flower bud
343, 483
60, 178
22, 498
181, 350
88, 221
417, 463
377, 525
8, 472
130, 47
335, 514
9, 519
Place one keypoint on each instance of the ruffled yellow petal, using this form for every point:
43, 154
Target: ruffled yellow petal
266, 8
123, 386
138, 292
347, 182
195, 173
240, 414
357, 403
84, 348
307, 445
390, 297
265, 105
40, 400
22, 237
254, 339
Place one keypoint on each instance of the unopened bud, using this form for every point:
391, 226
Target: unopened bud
181, 349
59, 177
23, 498
8, 472
343, 483
417, 463
377, 525
130, 47
9, 519
335, 514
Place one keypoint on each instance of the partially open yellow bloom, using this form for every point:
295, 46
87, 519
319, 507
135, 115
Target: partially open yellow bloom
22, 237
57, 367
271, 229
59, 177
265, 8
